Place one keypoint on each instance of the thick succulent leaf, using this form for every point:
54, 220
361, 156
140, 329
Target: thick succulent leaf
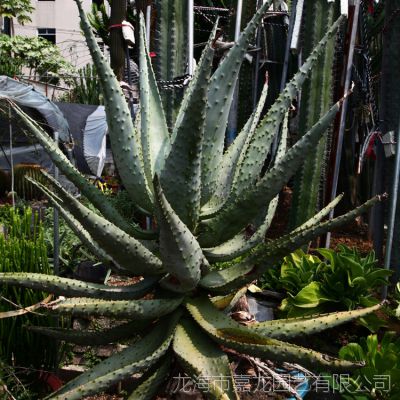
154, 131
80, 231
76, 288
128, 252
253, 158
138, 357
138, 309
96, 197
237, 214
93, 338
229, 333
320, 215
267, 255
181, 176
283, 142
204, 361
180, 252
235, 299
222, 302
148, 389
292, 327
125, 139
241, 243
288, 243
77, 228
230, 159
230, 278
220, 96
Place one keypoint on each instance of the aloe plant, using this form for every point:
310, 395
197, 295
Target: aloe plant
203, 199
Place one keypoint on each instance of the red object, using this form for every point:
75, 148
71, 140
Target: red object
371, 7
52, 380
370, 152
152, 54
117, 26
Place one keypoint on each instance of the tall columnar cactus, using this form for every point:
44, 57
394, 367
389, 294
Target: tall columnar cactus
316, 99
25, 190
23, 248
171, 51
203, 200
245, 86
390, 107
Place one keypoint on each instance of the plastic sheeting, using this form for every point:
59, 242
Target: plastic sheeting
94, 140
85, 124
26, 95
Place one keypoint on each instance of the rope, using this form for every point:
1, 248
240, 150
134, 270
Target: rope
177, 83
118, 26
204, 15
213, 9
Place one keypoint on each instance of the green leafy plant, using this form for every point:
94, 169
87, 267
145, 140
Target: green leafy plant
297, 271
203, 199
85, 89
100, 21
20, 9
40, 56
22, 249
344, 281
380, 377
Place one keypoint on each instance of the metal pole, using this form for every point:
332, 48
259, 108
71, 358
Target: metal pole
11, 157
148, 30
238, 22
190, 37
232, 119
294, 42
288, 42
257, 62
392, 213
344, 7
56, 231
148, 25
342, 125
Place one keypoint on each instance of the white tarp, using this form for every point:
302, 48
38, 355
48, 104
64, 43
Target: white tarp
94, 140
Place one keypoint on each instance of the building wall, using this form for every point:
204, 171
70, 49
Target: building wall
63, 16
